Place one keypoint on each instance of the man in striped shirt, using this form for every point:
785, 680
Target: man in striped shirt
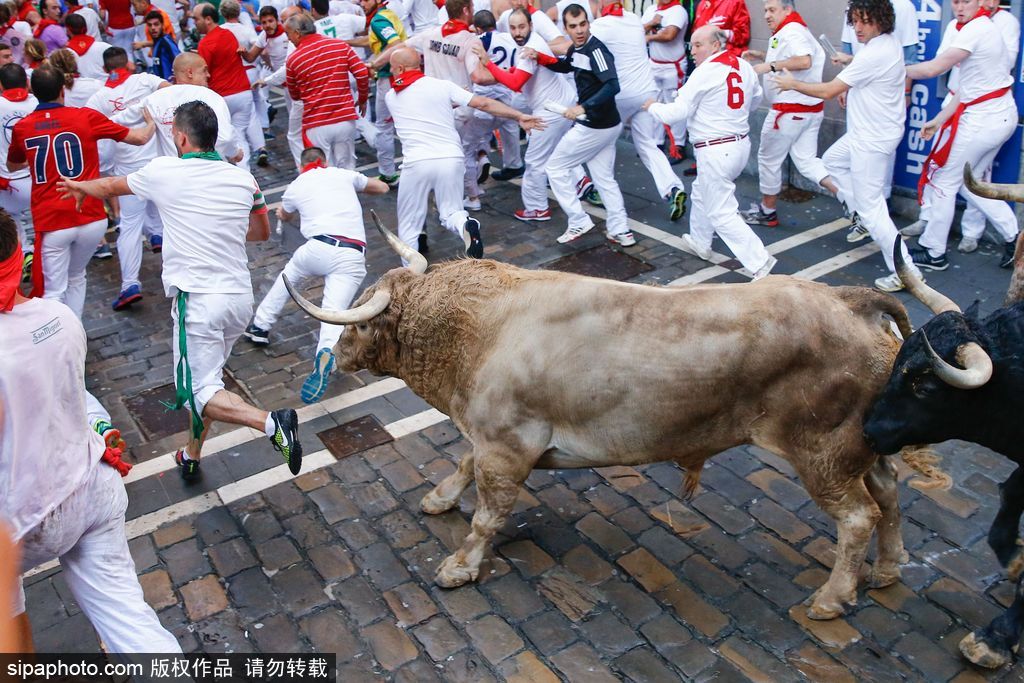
317, 74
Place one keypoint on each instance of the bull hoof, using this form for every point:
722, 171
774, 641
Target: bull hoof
977, 651
822, 608
452, 574
883, 575
433, 504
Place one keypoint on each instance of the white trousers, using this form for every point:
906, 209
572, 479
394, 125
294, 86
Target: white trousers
138, 217
385, 140
66, 253
539, 148
647, 132
342, 269
594, 147
295, 144
796, 136
16, 201
87, 533
337, 140
94, 410
669, 81
443, 177
715, 209
240, 106
977, 142
859, 171
260, 119
213, 323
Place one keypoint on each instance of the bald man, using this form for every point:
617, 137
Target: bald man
422, 108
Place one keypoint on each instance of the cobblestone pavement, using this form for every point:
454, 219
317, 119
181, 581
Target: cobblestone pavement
599, 575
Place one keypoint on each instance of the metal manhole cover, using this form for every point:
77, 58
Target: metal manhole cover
795, 195
154, 420
600, 261
354, 437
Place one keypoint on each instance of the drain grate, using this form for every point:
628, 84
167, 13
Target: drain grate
154, 420
794, 195
600, 261
354, 437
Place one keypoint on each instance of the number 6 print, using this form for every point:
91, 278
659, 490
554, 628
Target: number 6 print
734, 94
67, 155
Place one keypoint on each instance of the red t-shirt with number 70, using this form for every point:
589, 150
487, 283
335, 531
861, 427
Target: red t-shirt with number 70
56, 140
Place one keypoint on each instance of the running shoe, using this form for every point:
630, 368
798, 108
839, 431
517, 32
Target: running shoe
262, 158
423, 244
676, 204
967, 245
914, 229
584, 186
26, 266
923, 259
766, 269
533, 214
187, 468
156, 243
857, 231
103, 252
389, 180
471, 204
316, 384
127, 297
257, 335
485, 170
475, 248
625, 239
286, 438
1008, 250
573, 233
509, 173
690, 245
757, 216
889, 283
593, 197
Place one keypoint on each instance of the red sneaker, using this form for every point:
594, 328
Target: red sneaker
533, 215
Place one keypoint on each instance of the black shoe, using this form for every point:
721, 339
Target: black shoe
1008, 249
189, 469
476, 243
485, 171
923, 259
271, 113
262, 158
509, 173
422, 245
692, 171
286, 438
257, 335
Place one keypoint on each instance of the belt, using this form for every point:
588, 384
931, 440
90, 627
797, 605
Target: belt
794, 108
338, 241
719, 141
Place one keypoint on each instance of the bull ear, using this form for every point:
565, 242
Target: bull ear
973, 311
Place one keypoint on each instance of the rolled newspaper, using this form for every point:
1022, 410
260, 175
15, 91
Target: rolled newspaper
559, 109
826, 44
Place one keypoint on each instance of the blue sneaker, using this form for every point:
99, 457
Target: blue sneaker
156, 243
316, 384
127, 298
103, 252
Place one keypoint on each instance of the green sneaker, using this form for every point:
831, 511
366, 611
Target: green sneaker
188, 469
26, 266
286, 438
593, 197
677, 204
390, 180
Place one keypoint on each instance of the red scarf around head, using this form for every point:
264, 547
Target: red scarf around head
405, 79
791, 18
614, 9
117, 77
668, 3
310, 166
80, 44
981, 13
10, 278
15, 94
42, 26
453, 26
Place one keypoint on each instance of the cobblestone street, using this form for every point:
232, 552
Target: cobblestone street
599, 575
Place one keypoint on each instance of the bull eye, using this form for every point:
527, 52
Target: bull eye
362, 327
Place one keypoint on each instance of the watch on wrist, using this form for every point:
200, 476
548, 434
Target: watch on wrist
772, 67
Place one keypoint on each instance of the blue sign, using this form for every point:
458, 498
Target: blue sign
1006, 167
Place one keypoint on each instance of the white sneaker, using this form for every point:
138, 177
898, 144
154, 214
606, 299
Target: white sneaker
624, 239
914, 229
967, 245
572, 233
857, 233
471, 204
691, 246
889, 283
765, 269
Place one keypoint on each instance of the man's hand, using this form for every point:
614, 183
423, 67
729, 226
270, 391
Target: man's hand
762, 68
753, 55
574, 111
528, 53
361, 107
68, 188
481, 54
785, 80
237, 158
842, 100
841, 59
137, 45
147, 118
281, 214
647, 105
527, 122
929, 129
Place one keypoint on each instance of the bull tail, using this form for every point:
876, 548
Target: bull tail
923, 460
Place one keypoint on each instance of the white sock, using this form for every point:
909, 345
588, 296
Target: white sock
185, 456
268, 427
766, 209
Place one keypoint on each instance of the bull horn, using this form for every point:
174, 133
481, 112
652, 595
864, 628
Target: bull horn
360, 314
1010, 193
938, 303
977, 368
417, 263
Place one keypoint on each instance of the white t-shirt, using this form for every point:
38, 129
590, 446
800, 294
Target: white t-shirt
164, 102
585, 4
624, 36
345, 7
716, 99
117, 104
47, 449
794, 40
341, 26
90, 65
544, 84
10, 114
425, 120
542, 24
1009, 28
326, 201
205, 207
275, 49
675, 15
905, 29
501, 48
83, 89
875, 108
450, 58
984, 70
422, 14
245, 34
92, 22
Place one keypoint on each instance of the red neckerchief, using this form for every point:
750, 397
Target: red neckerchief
80, 44
309, 167
8, 26
729, 59
15, 94
670, 3
10, 278
405, 79
981, 13
25, 10
42, 26
530, 9
615, 9
279, 31
791, 18
117, 77
453, 26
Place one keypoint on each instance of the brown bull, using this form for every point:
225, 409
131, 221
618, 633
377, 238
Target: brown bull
1010, 193
541, 369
